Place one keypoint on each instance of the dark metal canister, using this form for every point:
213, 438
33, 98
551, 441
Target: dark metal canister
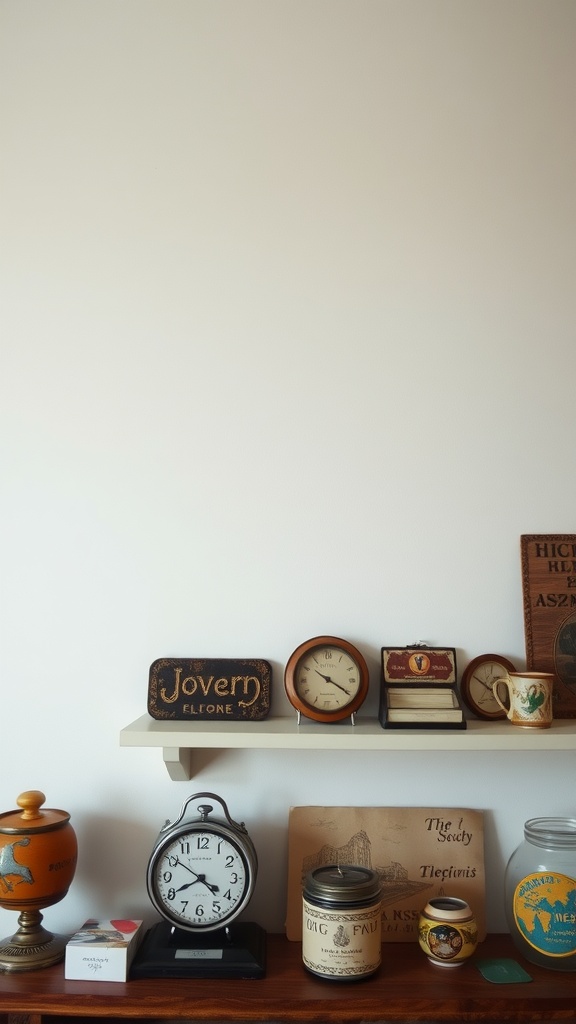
341, 922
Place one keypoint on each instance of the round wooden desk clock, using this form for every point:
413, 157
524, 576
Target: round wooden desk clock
326, 679
476, 685
201, 875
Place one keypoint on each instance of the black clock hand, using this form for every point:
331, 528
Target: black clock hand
188, 885
487, 686
199, 878
213, 888
334, 683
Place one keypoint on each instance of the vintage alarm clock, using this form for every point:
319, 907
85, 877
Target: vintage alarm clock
201, 875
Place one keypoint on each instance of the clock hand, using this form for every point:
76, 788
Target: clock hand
201, 878
198, 878
487, 686
213, 888
334, 683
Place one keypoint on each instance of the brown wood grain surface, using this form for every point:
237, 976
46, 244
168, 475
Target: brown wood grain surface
407, 988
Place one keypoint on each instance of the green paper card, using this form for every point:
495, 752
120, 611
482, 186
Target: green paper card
502, 971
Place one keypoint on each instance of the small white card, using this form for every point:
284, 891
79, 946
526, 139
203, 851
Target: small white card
102, 950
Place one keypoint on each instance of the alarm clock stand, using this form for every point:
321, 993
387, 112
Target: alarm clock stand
201, 875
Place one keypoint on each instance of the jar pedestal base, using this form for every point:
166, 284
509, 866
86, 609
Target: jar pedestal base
32, 946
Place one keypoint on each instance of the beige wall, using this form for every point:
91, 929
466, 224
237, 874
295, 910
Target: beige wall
288, 347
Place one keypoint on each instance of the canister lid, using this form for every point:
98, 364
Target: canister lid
31, 818
342, 883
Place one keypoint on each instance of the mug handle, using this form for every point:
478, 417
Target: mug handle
495, 685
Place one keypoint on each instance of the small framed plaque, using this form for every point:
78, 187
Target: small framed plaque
209, 689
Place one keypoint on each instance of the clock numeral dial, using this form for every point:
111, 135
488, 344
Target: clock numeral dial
329, 678
326, 679
201, 880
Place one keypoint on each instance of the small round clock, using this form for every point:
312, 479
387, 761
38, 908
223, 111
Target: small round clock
326, 679
476, 684
202, 872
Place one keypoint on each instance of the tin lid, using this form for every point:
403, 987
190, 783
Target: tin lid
342, 883
31, 818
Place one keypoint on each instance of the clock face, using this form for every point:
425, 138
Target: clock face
200, 878
326, 679
476, 685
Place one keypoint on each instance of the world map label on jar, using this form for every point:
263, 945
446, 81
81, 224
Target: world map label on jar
545, 912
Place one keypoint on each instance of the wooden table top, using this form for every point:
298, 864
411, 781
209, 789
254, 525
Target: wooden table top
406, 988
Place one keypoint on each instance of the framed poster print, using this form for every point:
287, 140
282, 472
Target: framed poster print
549, 592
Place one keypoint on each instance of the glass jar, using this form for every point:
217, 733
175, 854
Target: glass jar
341, 922
540, 886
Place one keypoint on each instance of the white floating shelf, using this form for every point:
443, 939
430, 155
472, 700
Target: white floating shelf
178, 740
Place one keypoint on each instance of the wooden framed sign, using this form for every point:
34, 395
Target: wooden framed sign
209, 689
549, 592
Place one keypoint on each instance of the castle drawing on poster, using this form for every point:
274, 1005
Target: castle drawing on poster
394, 879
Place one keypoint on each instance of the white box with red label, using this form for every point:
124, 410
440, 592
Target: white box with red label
102, 950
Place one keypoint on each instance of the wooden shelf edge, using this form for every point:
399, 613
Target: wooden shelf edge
179, 739
406, 989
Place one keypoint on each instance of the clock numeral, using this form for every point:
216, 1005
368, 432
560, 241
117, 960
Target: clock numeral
184, 848
167, 876
327, 655
229, 860
202, 842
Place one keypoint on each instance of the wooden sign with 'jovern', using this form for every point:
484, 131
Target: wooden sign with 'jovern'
549, 590
209, 689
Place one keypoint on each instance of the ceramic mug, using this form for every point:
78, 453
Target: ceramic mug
529, 698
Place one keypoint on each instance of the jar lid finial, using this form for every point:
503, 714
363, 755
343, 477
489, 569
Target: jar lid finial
31, 802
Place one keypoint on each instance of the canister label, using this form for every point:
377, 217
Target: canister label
545, 912
341, 943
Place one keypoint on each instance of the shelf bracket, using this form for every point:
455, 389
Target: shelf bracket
178, 761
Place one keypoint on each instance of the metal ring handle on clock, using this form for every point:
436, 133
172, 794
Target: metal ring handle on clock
239, 825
